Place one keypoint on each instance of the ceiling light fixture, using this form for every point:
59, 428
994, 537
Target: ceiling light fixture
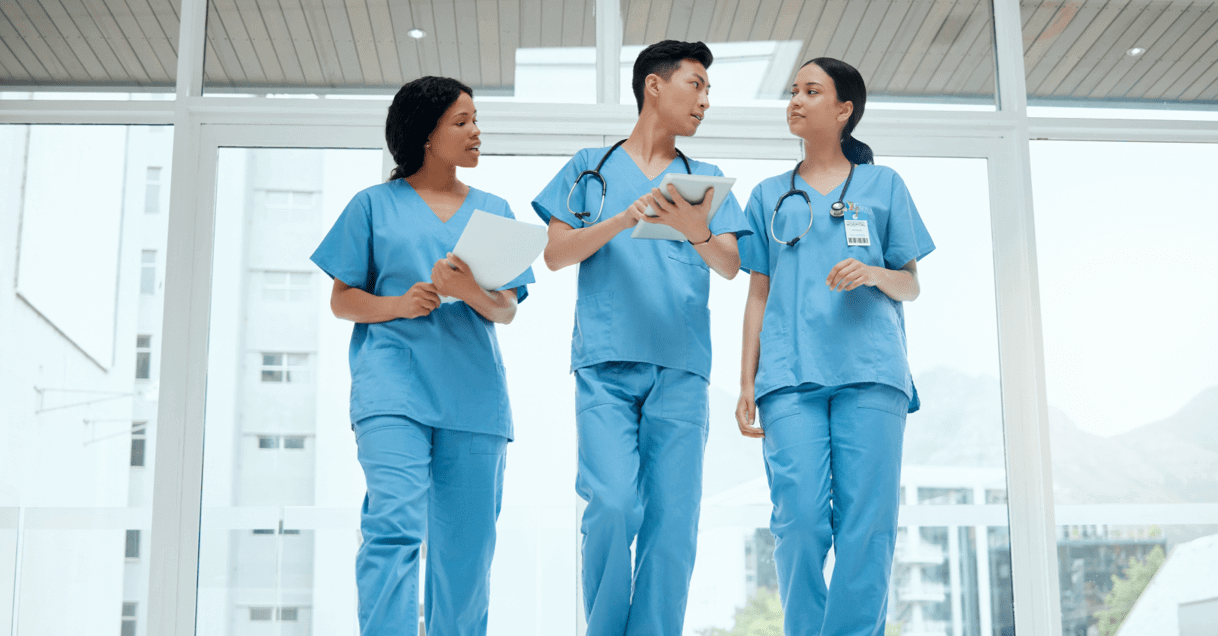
1135, 51
417, 34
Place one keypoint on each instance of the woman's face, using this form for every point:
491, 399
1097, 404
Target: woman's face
814, 110
455, 139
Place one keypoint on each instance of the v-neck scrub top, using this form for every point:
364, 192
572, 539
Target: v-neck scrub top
442, 370
812, 334
640, 300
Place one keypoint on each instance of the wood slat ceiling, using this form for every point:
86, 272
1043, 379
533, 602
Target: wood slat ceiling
1074, 50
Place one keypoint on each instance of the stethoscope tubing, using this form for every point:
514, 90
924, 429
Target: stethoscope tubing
837, 210
595, 173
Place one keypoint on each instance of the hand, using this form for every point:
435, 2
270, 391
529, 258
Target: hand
746, 413
850, 274
631, 216
452, 277
420, 301
680, 215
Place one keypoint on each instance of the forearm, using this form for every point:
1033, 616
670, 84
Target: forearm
721, 254
495, 306
569, 246
357, 305
754, 316
898, 284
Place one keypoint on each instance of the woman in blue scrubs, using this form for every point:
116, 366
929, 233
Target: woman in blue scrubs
824, 356
429, 401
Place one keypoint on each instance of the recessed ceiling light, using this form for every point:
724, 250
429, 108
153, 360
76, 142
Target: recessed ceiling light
417, 34
1135, 51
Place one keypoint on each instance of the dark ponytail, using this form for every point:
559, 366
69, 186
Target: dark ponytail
850, 88
413, 115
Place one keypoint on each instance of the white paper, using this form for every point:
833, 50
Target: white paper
498, 249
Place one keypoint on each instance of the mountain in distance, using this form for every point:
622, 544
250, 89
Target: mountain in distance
1174, 460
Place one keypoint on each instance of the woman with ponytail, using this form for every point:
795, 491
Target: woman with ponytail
429, 402
832, 257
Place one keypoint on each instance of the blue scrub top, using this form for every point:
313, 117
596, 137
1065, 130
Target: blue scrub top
442, 370
640, 300
812, 334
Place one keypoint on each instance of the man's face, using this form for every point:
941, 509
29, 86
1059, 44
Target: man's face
684, 98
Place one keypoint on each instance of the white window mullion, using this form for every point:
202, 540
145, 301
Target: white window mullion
1025, 406
608, 50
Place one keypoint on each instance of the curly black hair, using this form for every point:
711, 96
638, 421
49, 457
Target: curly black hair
415, 111
662, 58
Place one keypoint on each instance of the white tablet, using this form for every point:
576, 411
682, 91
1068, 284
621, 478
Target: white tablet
691, 187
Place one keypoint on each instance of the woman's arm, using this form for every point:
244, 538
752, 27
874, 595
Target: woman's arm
452, 277
357, 305
754, 315
900, 285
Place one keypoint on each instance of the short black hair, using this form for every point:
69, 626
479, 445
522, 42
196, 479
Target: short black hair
413, 115
662, 58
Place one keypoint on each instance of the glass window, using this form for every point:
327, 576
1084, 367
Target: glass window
133, 544
139, 436
1146, 54
143, 357
130, 615
287, 286
911, 53
152, 191
148, 272
273, 528
312, 48
1129, 373
69, 500
279, 367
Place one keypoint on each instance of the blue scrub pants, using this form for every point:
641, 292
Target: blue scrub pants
642, 432
426, 484
833, 460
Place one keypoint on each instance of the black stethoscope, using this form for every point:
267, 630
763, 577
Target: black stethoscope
595, 173
837, 210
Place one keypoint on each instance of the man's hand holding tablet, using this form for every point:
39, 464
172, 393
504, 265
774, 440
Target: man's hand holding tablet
693, 189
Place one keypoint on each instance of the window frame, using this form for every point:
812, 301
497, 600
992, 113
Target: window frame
202, 125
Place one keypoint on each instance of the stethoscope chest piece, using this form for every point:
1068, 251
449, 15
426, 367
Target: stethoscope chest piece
837, 210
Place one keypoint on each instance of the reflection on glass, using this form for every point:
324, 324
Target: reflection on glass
912, 51
80, 362
1132, 388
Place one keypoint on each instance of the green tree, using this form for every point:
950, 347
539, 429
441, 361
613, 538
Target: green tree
761, 616
1127, 589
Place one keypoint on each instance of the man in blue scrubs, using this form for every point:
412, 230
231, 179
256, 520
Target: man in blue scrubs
641, 346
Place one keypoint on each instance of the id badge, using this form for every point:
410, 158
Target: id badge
857, 234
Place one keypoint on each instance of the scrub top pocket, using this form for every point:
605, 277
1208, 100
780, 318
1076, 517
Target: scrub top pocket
683, 252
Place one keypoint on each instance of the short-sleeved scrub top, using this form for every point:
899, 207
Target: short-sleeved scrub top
640, 300
812, 334
442, 370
